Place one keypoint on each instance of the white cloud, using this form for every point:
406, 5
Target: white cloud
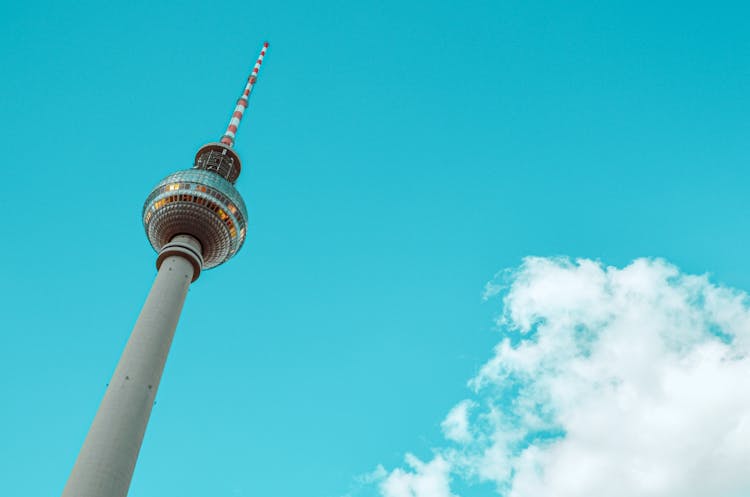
456, 424
373, 476
425, 480
607, 381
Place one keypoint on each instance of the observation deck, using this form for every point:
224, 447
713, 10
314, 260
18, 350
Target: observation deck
200, 202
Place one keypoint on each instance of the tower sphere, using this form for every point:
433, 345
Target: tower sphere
200, 203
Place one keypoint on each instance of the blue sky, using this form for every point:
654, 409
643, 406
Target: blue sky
397, 155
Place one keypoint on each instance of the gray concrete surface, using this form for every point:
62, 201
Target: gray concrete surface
107, 459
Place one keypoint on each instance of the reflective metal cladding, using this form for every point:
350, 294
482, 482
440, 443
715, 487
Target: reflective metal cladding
199, 203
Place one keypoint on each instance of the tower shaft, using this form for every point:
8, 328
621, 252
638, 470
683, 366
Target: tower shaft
107, 459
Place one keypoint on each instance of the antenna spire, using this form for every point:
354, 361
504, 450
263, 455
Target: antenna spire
239, 110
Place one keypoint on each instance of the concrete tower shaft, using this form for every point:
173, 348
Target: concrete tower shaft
107, 459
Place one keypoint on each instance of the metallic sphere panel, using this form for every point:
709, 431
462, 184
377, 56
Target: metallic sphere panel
201, 204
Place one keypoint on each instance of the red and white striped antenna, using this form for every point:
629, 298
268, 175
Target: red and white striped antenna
239, 110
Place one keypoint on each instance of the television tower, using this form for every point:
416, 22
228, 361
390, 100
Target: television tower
195, 219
